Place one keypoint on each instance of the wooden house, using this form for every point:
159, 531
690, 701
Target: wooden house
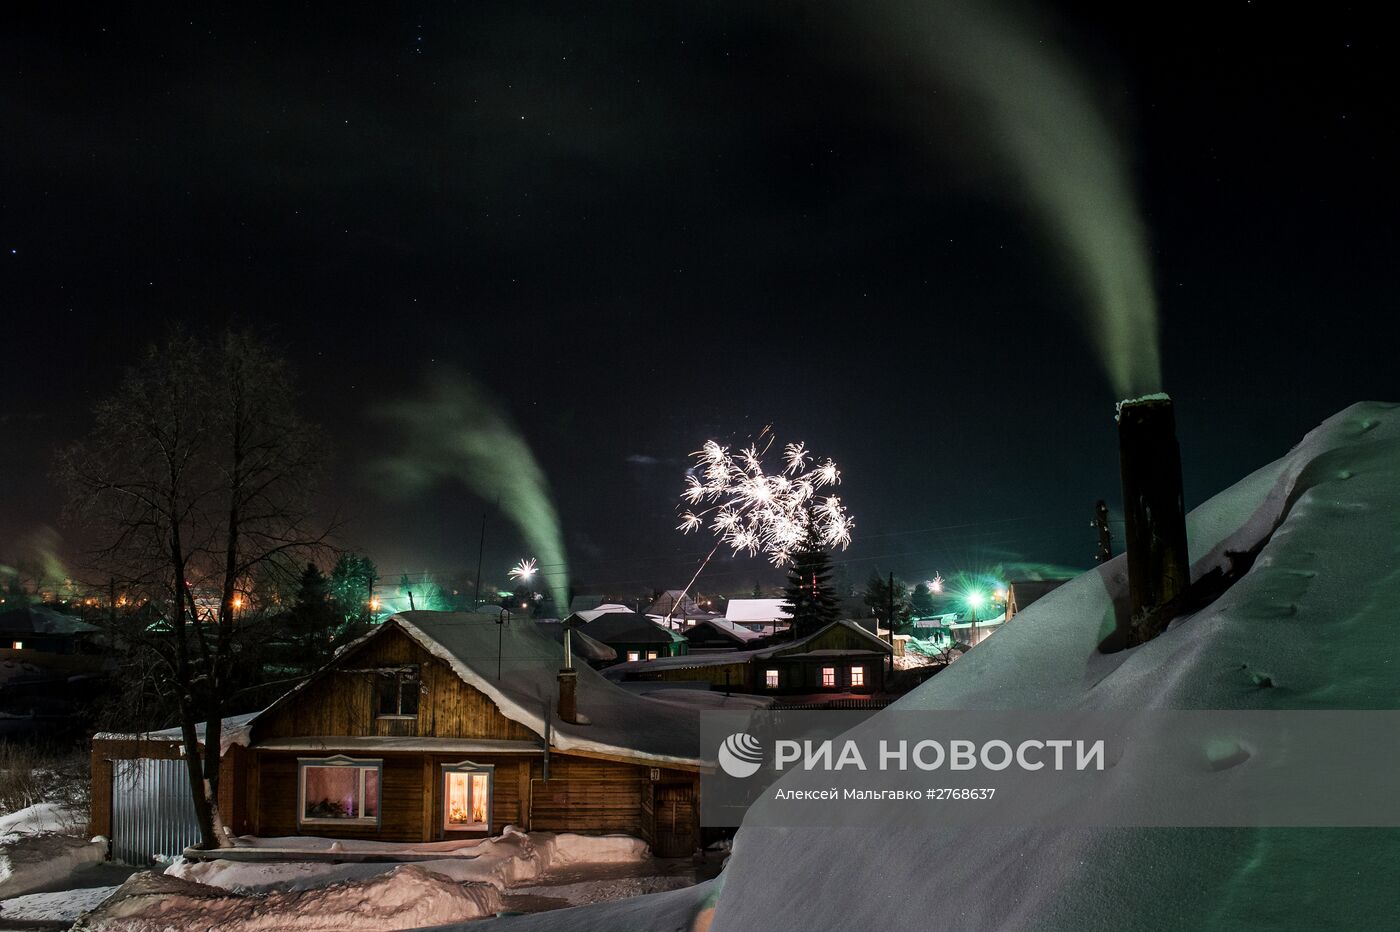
841, 657
439, 726
633, 636
42, 629
714, 634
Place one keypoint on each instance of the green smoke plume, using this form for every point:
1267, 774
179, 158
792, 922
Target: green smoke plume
454, 432
1046, 127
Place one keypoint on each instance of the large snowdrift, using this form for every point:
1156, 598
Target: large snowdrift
250, 896
1313, 624
407, 897
509, 859
35, 852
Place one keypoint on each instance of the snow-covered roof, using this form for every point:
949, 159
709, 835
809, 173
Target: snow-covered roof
731, 629
40, 619
750, 610
592, 614
630, 628
233, 730
582, 645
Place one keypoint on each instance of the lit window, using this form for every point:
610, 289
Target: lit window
770, 679
857, 676
466, 797
340, 789
16, 645
634, 655
651, 655
398, 693
828, 676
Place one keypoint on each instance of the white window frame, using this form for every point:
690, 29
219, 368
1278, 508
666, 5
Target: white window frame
362, 765
467, 766
858, 675
828, 673
771, 679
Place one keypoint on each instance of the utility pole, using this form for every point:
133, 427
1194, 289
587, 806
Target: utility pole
1100, 523
890, 621
411, 606
480, 549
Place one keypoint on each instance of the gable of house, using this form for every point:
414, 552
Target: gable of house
838, 636
343, 700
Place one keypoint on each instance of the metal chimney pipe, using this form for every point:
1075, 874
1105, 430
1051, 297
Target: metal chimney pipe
1159, 565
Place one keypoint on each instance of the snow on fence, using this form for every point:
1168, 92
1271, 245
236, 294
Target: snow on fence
152, 812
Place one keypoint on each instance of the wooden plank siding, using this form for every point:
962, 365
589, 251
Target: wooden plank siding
343, 703
739, 675
836, 637
401, 798
583, 795
594, 796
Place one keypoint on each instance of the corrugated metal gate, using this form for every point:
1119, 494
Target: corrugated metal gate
152, 812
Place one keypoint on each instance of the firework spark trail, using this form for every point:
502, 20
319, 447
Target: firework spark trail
754, 511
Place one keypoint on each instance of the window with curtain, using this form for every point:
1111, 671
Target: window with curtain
466, 797
339, 789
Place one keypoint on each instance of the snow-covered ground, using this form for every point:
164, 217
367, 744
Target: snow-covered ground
62, 906
511, 858
41, 818
516, 872
40, 847
406, 897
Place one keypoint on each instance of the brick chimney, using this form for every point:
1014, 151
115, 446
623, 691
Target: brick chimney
568, 696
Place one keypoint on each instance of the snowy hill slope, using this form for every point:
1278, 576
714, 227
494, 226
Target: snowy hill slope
1313, 623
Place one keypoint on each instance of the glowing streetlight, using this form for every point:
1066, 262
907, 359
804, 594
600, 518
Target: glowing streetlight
374, 604
976, 600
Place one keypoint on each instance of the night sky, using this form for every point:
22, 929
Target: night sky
645, 225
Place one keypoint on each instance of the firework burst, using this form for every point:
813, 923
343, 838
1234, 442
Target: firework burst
523, 570
754, 511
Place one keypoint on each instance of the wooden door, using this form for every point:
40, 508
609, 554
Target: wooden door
673, 827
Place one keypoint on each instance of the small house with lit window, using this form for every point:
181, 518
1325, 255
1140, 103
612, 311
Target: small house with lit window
437, 726
635, 637
841, 657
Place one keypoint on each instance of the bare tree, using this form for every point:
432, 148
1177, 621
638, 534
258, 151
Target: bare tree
197, 478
